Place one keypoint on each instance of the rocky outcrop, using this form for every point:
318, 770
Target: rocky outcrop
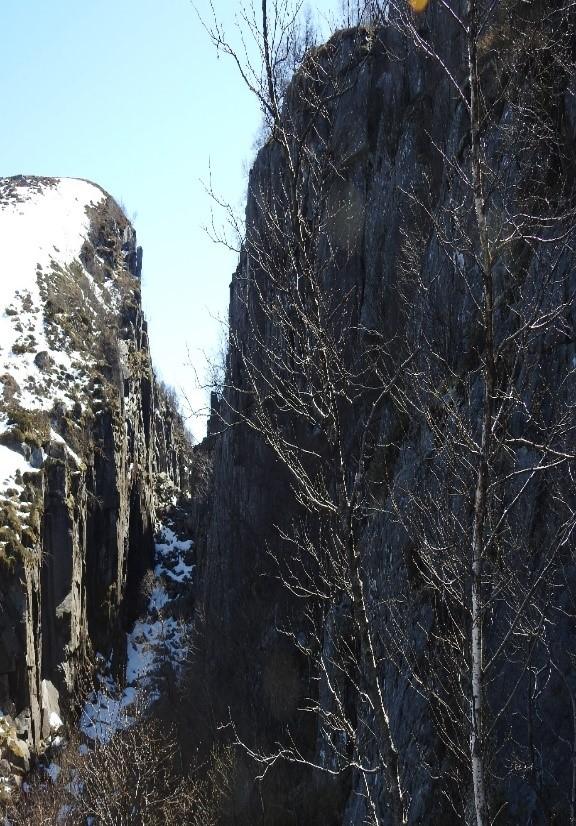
172, 447
390, 136
83, 434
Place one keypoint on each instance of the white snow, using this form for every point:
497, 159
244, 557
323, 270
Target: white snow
182, 571
159, 598
10, 463
45, 226
169, 554
41, 226
56, 437
149, 643
55, 721
107, 711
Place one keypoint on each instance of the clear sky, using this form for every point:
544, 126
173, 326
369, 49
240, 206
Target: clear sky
131, 95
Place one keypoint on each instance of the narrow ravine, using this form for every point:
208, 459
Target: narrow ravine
156, 647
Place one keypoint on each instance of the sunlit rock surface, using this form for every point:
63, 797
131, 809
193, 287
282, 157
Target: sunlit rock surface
83, 430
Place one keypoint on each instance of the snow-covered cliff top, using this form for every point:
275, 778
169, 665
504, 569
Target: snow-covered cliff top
66, 251
44, 224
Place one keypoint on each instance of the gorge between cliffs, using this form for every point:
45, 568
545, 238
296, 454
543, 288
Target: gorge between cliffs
354, 601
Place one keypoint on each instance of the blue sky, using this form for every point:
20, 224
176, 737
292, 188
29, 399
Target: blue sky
131, 94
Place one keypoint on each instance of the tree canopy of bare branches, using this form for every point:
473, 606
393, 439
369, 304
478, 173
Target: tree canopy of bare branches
402, 342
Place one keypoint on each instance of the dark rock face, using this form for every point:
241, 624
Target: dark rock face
83, 516
389, 134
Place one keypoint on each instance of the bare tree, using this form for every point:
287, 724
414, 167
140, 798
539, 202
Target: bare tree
508, 243
302, 374
136, 777
308, 375
273, 38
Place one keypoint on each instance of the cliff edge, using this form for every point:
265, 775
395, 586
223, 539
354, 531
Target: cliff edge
83, 430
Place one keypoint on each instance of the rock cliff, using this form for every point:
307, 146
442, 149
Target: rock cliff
391, 135
85, 433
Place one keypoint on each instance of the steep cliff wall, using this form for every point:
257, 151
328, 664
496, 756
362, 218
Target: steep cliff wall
390, 131
81, 438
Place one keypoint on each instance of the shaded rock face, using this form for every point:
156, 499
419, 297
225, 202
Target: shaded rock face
389, 133
81, 439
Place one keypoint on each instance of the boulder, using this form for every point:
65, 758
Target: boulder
43, 360
23, 724
17, 753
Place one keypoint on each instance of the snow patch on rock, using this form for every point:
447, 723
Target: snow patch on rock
42, 228
158, 641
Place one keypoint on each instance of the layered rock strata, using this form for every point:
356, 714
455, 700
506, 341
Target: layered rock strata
81, 439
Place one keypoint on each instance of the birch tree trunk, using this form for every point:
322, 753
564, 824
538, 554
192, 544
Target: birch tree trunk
477, 744
385, 739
